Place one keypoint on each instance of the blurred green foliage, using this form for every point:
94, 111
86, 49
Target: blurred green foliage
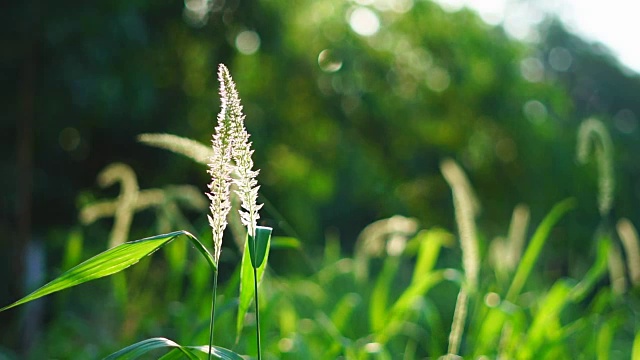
347, 129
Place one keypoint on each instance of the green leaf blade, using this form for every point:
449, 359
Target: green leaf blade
258, 245
218, 352
246, 283
108, 263
138, 349
535, 246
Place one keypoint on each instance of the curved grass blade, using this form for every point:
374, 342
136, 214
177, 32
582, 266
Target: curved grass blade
110, 262
218, 352
140, 348
545, 326
535, 246
595, 273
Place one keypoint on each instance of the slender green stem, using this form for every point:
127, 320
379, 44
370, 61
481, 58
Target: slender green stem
213, 311
255, 283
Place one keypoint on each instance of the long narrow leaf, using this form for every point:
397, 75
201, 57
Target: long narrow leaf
218, 352
535, 246
140, 348
378, 307
246, 285
110, 262
595, 273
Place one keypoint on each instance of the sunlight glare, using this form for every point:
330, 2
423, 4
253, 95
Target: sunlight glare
364, 21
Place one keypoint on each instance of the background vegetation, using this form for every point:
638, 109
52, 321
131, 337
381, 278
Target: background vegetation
348, 129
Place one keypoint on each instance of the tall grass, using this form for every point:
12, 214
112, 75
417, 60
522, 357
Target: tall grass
394, 298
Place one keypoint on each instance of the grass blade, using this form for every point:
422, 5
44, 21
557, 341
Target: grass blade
535, 246
217, 351
635, 353
378, 308
140, 348
110, 262
258, 245
246, 284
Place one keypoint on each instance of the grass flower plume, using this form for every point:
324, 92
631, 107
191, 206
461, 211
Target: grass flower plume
593, 137
240, 151
231, 155
466, 208
220, 169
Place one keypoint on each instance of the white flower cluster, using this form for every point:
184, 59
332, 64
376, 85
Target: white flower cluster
231, 154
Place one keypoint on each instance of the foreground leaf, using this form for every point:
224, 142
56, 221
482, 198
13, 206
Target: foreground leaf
258, 245
138, 349
110, 262
246, 284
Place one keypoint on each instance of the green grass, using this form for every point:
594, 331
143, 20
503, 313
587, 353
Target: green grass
397, 297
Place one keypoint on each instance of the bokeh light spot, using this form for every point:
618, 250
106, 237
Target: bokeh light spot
625, 121
373, 348
560, 59
398, 6
492, 299
535, 111
438, 79
532, 69
364, 21
329, 61
285, 345
196, 12
248, 42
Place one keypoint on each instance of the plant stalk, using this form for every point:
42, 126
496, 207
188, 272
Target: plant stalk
255, 283
213, 311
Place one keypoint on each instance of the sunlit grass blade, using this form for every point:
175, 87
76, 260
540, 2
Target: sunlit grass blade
605, 337
423, 279
110, 262
179, 352
247, 289
542, 329
594, 274
378, 308
545, 326
430, 243
402, 309
380, 313
535, 246
635, 353
218, 352
341, 315
490, 329
140, 348
285, 242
